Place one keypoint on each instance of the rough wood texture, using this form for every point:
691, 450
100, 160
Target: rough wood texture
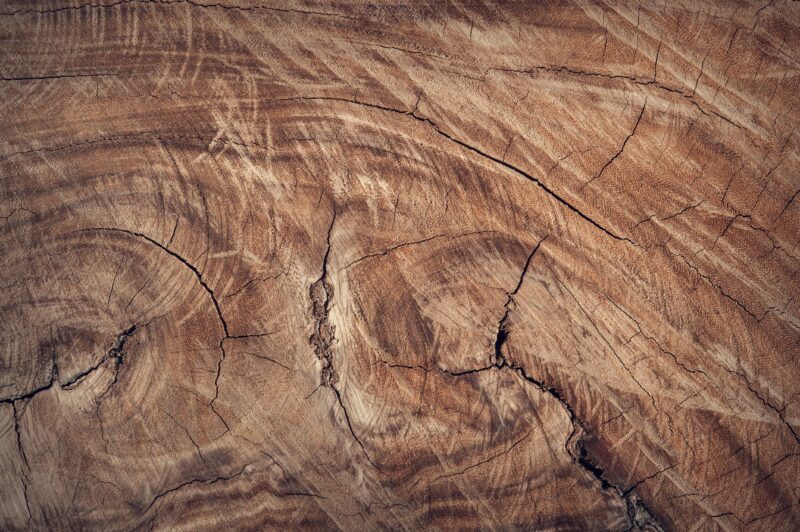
394, 266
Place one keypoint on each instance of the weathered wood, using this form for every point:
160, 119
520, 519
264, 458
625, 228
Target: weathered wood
393, 265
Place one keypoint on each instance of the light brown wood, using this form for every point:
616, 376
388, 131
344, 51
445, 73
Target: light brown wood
399, 265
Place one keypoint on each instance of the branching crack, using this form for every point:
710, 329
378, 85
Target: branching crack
115, 352
637, 512
204, 285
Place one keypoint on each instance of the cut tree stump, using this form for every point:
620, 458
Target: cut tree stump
399, 265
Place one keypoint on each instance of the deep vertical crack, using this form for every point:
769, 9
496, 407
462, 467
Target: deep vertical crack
321, 293
324, 335
20, 448
216, 383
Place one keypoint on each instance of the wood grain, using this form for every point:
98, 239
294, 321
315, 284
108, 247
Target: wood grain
399, 265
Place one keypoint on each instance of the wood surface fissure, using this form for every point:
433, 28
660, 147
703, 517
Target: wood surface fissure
399, 266
637, 513
324, 335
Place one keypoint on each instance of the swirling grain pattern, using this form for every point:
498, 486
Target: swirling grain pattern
399, 265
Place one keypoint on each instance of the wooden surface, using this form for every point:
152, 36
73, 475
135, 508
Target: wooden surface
399, 266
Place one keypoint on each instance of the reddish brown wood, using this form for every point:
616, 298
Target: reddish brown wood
399, 266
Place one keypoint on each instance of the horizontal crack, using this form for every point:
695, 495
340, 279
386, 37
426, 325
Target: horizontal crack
689, 96
192, 3
414, 243
57, 76
115, 352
